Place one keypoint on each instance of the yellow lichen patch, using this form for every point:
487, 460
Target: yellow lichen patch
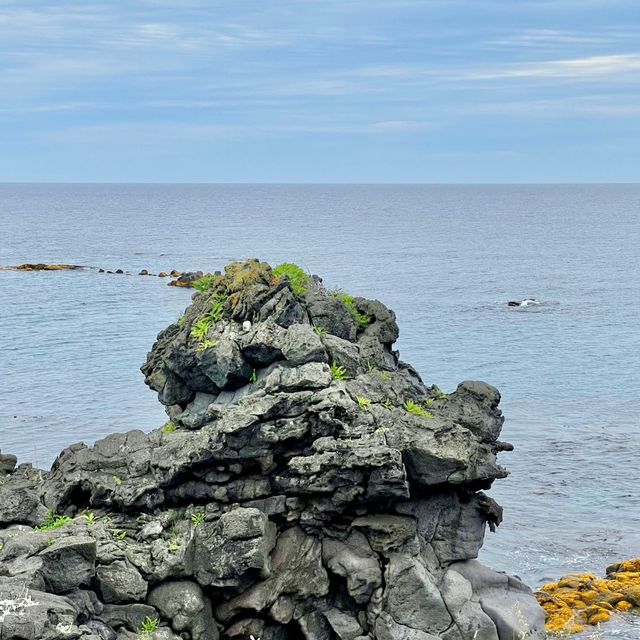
628, 566
581, 598
560, 618
239, 275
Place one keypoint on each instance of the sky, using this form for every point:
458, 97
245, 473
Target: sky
381, 91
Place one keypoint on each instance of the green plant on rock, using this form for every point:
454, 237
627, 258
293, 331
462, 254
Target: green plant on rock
201, 327
363, 403
207, 344
147, 628
321, 331
89, 517
117, 480
338, 372
169, 427
205, 283
415, 409
217, 309
119, 535
197, 519
254, 376
428, 402
349, 302
299, 279
173, 547
53, 521
181, 320
387, 404
439, 393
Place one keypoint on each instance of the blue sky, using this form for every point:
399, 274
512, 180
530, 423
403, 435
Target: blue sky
320, 91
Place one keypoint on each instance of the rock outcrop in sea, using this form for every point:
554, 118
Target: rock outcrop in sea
308, 485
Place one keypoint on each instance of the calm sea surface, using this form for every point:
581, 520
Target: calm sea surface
445, 258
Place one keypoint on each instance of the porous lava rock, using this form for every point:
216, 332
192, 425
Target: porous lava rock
308, 485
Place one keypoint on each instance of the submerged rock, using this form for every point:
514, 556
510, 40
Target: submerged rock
308, 485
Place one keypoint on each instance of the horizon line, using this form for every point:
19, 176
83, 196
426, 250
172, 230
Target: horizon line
319, 184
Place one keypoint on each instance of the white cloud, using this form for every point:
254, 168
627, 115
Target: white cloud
589, 68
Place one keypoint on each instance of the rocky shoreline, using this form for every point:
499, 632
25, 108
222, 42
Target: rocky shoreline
308, 484
179, 278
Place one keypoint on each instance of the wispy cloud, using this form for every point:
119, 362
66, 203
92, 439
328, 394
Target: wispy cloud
544, 38
589, 68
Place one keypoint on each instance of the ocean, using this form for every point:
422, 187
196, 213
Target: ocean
446, 258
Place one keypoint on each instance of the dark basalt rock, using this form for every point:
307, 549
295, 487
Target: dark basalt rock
279, 501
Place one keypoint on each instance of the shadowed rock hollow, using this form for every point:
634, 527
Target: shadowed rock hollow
308, 485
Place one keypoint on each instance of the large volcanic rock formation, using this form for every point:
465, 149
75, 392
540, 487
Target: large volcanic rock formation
308, 485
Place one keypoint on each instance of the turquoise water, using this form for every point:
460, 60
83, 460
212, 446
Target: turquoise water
445, 258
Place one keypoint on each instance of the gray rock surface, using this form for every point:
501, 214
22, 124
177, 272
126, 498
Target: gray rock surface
307, 485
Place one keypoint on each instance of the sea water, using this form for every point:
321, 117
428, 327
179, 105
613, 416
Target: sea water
445, 258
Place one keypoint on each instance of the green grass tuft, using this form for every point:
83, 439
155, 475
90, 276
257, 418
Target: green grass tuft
148, 626
321, 331
53, 521
415, 409
200, 329
197, 519
348, 301
205, 283
299, 279
364, 403
169, 427
439, 393
207, 344
338, 372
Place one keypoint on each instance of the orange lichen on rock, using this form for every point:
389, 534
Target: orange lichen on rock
582, 598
